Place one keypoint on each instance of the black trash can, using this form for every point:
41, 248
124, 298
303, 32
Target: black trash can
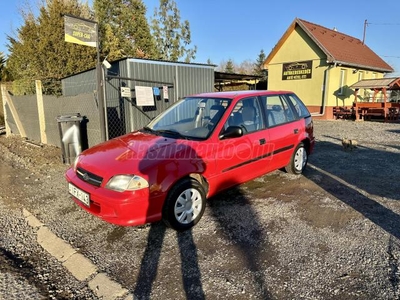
69, 127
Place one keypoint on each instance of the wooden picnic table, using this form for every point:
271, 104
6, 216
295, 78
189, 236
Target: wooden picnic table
386, 110
379, 86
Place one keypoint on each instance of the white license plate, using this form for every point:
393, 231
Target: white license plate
79, 194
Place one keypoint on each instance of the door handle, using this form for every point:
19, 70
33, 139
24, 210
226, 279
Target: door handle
262, 141
296, 131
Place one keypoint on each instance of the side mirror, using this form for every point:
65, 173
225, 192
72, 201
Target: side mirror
231, 132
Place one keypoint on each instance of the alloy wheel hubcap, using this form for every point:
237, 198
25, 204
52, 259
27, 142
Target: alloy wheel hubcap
300, 159
188, 206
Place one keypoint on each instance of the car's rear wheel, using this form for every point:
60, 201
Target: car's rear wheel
184, 205
299, 160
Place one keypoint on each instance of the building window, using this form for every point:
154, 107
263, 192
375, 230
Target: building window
342, 80
360, 76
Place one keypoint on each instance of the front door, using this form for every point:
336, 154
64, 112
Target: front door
243, 158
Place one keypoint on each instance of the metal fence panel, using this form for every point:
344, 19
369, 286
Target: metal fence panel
81, 83
26, 107
10, 121
83, 104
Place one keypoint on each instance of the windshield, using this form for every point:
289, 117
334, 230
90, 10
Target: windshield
190, 118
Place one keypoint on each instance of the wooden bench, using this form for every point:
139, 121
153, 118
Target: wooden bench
374, 112
342, 112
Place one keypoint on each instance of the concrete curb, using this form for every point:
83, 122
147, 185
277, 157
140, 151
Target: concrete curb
77, 264
105, 288
81, 267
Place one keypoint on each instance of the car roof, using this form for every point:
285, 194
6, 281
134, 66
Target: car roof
234, 94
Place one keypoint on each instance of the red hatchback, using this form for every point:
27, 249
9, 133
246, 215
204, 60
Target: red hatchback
200, 146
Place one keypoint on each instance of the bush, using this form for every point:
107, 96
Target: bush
23, 87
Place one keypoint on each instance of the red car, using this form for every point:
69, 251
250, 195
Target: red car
198, 147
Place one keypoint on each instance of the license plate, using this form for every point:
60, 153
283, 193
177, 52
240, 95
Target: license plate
79, 194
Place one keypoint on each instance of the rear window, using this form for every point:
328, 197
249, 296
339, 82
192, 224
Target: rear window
299, 106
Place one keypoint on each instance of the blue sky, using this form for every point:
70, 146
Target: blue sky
238, 30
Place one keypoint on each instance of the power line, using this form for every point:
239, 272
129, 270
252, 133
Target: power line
390, 56
384, 24
366, 24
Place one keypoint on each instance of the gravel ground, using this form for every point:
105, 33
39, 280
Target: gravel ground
332, 233
26, 270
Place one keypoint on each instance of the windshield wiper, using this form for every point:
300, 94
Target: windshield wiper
172, 132
149, 130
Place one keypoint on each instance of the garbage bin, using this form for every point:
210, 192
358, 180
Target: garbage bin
69, 127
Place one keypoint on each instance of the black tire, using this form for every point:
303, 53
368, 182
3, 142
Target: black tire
181, 213
298, 161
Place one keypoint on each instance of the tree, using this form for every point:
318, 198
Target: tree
230, 66
2, 64
124, 29
245, 67
3, 71
172, 37
259, 64
39, 50
22, 48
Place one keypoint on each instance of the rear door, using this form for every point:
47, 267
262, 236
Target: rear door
284, 129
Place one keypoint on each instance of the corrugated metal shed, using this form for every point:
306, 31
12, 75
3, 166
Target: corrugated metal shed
123, 115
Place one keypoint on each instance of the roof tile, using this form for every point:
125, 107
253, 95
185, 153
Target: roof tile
340, 47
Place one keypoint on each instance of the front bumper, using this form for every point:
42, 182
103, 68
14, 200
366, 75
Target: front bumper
129, 208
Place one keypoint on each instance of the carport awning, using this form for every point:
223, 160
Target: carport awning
381, 83
223, 77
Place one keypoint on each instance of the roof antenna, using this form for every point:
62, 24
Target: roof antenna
365, 29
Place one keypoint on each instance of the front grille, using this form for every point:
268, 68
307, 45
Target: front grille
89, 177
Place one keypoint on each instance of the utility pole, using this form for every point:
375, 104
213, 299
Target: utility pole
75, 34
100, 89
365, 29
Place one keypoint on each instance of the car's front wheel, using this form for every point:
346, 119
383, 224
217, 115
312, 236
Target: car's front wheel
184, 205
299, 160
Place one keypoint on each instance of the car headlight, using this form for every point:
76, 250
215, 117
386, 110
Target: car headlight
122, 183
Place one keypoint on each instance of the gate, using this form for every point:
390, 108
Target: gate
124, 112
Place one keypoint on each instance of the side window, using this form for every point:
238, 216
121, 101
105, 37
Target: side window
299, 106
290, 115
246, 114
276, 113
